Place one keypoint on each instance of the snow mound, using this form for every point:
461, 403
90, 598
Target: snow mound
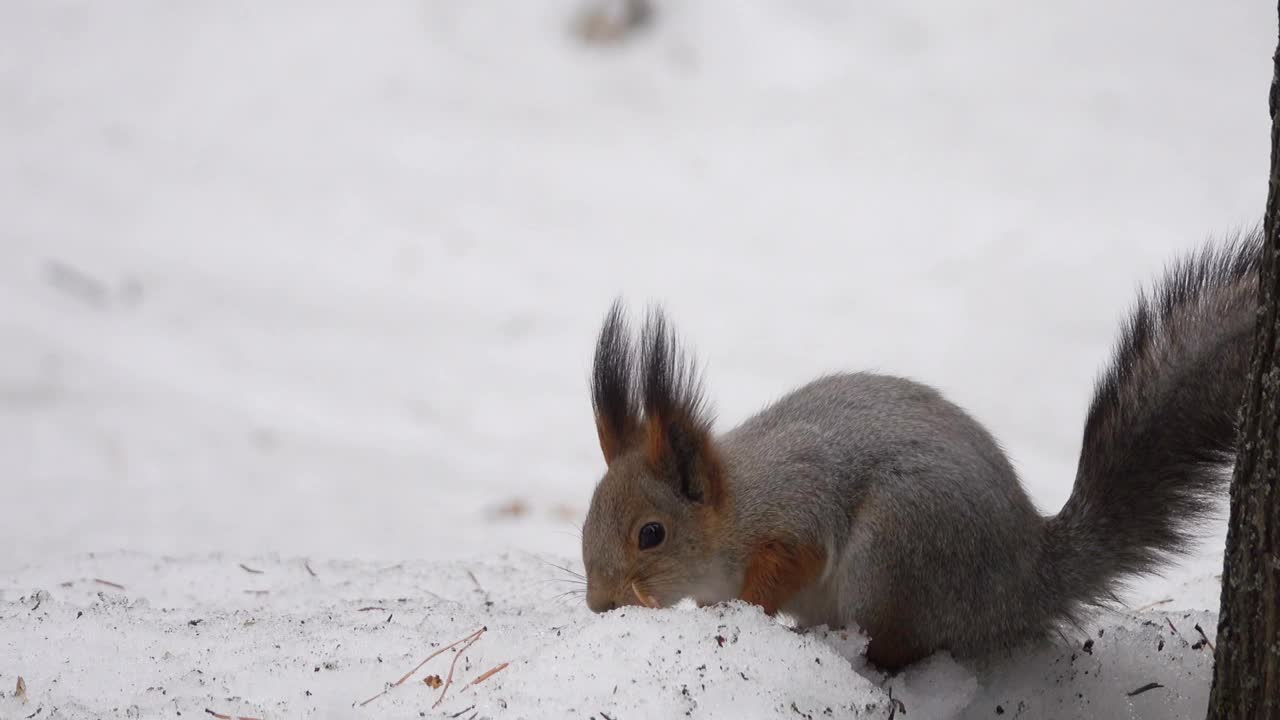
135, 635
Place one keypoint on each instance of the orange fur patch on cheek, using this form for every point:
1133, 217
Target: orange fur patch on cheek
778, 570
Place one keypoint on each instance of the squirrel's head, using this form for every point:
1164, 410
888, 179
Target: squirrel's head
650, 537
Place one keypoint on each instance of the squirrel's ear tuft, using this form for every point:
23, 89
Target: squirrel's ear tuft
613, 395
678, 440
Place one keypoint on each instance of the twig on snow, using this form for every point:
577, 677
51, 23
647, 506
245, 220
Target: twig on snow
1204, 637
449, 679
1175, 630
220, 716
488, 674
418, 667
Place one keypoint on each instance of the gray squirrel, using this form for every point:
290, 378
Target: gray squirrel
870, 500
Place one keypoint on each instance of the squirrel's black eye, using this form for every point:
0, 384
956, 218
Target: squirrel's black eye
651, 535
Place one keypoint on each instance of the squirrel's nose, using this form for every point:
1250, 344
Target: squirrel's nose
599, 602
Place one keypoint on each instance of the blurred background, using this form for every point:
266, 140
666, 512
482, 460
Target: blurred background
323, 279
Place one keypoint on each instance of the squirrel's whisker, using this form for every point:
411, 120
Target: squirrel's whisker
562, 568
570, 581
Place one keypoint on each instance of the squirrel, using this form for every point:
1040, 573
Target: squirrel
870, 500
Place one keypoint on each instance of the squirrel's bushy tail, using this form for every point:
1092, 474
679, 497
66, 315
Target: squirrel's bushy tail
1161, 430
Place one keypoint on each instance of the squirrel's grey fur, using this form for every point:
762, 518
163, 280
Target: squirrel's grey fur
928, 538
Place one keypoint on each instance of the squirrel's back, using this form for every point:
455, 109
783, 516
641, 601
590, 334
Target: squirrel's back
898, 460
829, 437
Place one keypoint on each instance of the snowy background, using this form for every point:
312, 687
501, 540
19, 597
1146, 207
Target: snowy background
313, 287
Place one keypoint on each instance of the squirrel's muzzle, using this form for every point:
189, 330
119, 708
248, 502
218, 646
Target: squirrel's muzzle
600, 601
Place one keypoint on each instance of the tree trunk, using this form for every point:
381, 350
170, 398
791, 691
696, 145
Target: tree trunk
1246, 678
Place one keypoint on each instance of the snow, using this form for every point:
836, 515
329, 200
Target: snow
290, 637
286, 281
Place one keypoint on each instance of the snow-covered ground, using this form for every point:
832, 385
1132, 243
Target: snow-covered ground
290, 281
271, 637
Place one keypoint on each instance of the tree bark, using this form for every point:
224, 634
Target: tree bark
1246, 678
